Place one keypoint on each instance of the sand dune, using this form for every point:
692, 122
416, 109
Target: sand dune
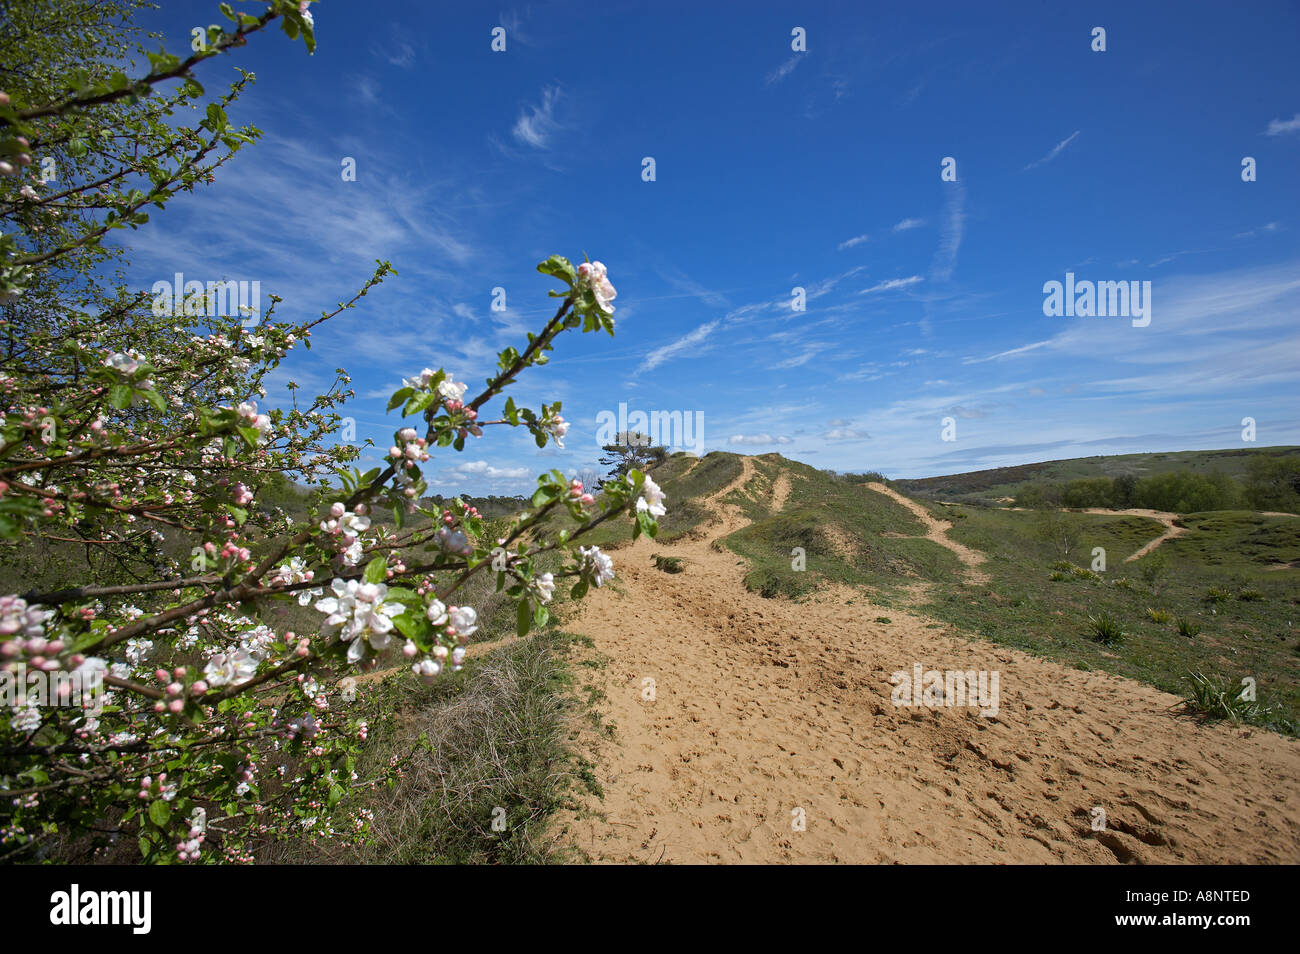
766, 712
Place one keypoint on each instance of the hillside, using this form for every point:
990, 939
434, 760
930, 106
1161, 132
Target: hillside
999, 482
737, 718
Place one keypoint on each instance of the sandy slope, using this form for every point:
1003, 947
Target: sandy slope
937, 530
764, 708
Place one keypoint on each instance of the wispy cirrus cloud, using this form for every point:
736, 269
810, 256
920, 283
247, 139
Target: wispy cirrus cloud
1261, 230
784, 70
908, 224
514, 22
892, 284
1056, 151
1280, 127
951, 234
696, 338
537, 125
856, 240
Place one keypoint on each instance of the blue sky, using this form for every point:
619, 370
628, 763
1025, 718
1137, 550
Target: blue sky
778, 169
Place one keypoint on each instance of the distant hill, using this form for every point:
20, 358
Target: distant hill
1007, 481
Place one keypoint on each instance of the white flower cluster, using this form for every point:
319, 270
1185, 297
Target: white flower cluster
229, 668
556, 426
348, 527
248, 412
457, 622
124, 363
357, 612
652, 498
16, 617
595, 566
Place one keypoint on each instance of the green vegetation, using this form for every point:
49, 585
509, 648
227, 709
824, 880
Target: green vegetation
490, 744
1105, 629
1214, 698
1199, 578
1266, 478
667, 564
1175, 491
830, 530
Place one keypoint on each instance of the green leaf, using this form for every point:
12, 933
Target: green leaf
217, 117
155, 399
414, 625
399, 396
540, 616
376, 570
120, 396
419, 402
160, 812
559, 266
524, 620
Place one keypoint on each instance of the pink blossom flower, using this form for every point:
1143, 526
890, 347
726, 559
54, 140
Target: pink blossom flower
593, 274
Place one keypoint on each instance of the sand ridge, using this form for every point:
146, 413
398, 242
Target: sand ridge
937, 530
738, 717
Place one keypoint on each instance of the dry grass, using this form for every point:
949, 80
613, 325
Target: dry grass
495, 746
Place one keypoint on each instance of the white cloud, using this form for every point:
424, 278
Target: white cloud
1262, 230
784, 70
537, 124
481, 468
761, 440
1008, 354
1278, 127
907, 224
1056, 151
856, 240
846, 434
954, 229
659, 355
891, 284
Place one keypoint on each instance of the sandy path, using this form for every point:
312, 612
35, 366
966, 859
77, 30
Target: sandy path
1165, 519
767, 711
937, 530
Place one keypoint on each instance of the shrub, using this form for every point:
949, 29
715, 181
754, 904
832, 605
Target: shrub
1215, 698
1105, 630
133, 424
1187, 492
1159, 615
667, 564
1088, 492
1188, 627
1152, 569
